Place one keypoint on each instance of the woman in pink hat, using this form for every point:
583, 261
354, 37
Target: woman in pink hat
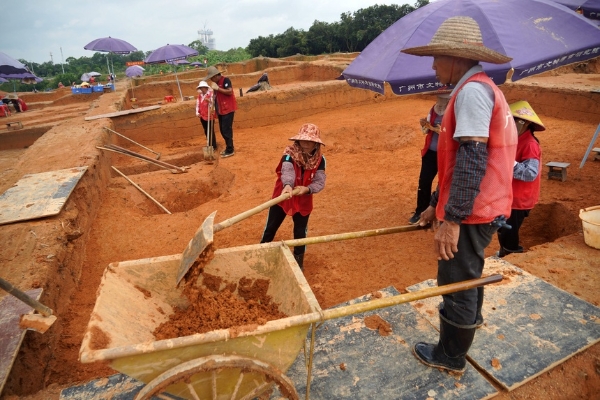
302, 167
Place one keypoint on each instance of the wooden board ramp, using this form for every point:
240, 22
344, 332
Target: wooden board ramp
38, 195
530, 326
11, 335
352, 361
121, 113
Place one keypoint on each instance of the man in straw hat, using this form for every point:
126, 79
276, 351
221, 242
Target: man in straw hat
526, 176
226, 106
476, 153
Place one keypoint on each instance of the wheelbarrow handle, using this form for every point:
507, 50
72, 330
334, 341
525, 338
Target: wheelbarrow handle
351, 235
358, 308
36, 305
234, 220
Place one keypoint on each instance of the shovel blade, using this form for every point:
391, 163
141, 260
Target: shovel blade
37, 322
201, 240
209, 153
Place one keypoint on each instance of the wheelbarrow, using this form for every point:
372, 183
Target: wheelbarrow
220, 364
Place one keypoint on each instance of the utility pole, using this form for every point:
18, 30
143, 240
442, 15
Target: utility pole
51, 60
62, 61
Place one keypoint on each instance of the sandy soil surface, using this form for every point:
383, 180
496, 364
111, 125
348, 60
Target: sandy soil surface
373, 160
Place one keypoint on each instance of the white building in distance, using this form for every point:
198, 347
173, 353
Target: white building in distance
205, 37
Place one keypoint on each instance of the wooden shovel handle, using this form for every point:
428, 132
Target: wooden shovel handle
233, 220
351, 235
36, 305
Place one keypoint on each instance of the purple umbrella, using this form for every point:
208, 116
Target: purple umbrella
539, 35
169, 54
134, 70
589, 8
110, 45
25, 77
9, 65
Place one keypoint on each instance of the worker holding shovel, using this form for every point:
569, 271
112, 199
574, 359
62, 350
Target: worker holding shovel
302, 167
205, 110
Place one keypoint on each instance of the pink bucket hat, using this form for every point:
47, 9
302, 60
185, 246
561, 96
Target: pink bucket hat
309, 132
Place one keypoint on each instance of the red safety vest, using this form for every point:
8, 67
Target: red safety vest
302, 204
527, 194
495, 195
203, 105
430, 133
227, 104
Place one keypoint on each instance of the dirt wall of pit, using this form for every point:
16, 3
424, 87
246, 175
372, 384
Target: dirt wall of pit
177, 121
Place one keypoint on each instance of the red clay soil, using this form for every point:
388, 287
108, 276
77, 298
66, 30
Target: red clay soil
372, 148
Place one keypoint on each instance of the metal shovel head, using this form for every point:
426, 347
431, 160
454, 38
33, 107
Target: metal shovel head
201, 240
209, 153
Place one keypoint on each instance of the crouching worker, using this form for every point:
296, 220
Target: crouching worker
302, 167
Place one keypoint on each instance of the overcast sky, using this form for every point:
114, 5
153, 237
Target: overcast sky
33, 29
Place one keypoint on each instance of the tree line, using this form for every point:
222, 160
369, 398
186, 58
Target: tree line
352, 33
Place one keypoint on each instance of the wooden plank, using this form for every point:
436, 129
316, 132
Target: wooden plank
114, 387
529, 326
38, 195
352, 361
120, 113
11, 335
555, 164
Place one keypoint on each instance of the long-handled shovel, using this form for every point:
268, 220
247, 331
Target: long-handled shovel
351, 235
33, 321
209, 154
204, 235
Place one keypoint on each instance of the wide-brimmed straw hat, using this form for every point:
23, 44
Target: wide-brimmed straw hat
459, 37
212, 71
522, 110
202, 84
309, 132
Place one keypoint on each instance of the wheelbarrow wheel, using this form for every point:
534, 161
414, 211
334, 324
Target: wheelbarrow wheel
213, 374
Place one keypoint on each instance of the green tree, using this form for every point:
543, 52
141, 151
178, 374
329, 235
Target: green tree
198, 46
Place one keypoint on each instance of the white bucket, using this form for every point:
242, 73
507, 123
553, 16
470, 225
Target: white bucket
590, 218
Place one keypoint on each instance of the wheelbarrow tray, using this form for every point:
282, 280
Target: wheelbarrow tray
134, 297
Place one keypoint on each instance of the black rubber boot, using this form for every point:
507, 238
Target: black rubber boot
479, 317
451, 350
300, 260
503, 252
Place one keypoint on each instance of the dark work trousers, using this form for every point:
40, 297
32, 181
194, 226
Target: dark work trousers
509, 238
274, 221
212, 132
226, 128
429, 170
461, 307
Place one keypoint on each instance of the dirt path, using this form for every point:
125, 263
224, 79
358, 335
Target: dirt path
372, 169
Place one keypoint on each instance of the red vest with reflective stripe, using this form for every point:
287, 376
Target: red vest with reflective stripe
302, 204
227, 104
495, 195
526, 194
